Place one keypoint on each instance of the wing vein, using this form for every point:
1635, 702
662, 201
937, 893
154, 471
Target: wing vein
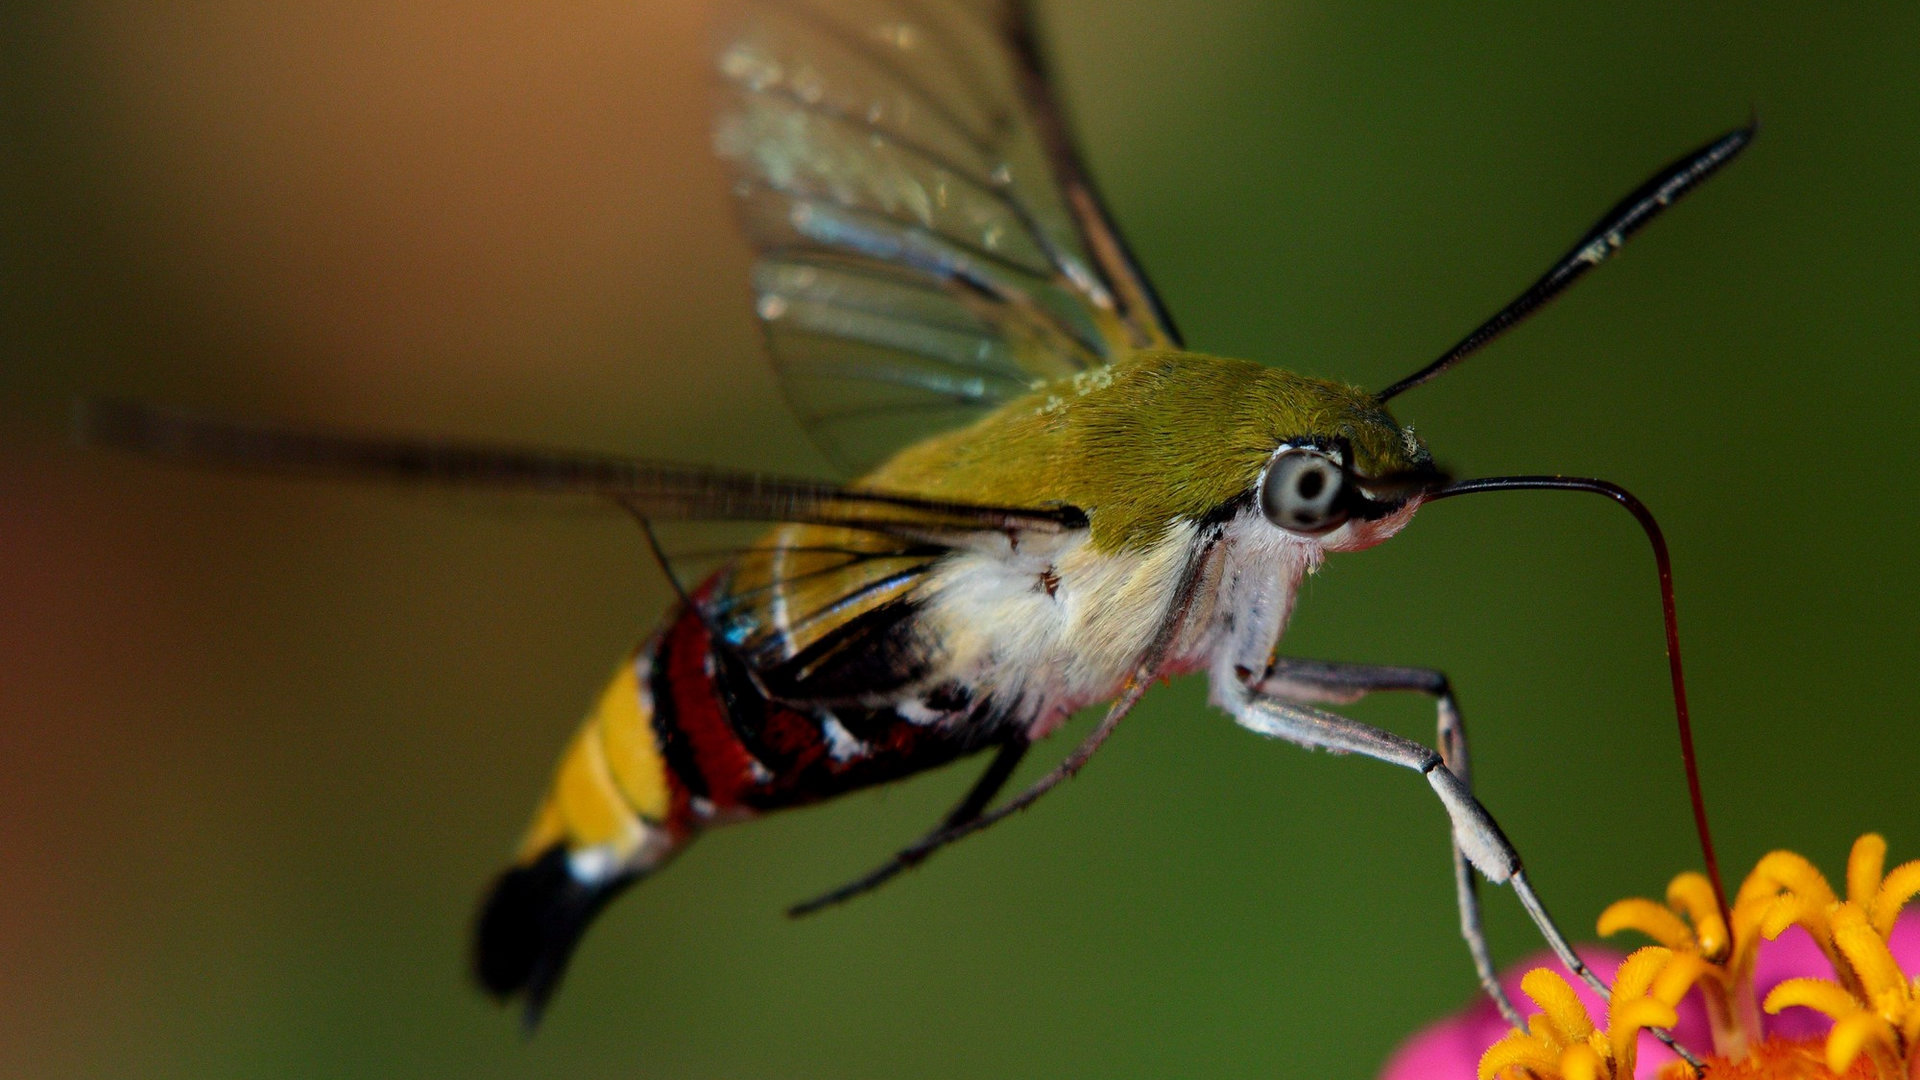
1069, 270
859, 46
950, 257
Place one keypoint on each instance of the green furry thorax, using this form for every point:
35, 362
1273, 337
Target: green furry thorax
1156, 438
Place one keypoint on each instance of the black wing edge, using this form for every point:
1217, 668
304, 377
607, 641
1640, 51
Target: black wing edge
1140, 306
645, 488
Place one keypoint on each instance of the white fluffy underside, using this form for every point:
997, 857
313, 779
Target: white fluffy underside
1059, 625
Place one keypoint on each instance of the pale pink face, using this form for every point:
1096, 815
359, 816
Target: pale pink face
1358, 535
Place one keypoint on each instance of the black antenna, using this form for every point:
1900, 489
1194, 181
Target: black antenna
1607, 236
1664, 564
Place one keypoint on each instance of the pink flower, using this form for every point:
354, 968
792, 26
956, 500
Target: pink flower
1451, 1049
1765, 991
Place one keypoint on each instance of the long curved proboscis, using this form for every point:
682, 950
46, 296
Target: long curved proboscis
1665, 565
1607, 236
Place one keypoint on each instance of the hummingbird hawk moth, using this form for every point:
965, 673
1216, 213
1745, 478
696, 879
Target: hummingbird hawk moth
1056, 504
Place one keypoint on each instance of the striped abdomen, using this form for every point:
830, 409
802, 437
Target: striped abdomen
681, 738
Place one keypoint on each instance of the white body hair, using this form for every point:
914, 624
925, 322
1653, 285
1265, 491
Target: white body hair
1056, 624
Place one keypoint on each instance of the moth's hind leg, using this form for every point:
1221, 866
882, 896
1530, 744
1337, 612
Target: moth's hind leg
966, 811
1336, 683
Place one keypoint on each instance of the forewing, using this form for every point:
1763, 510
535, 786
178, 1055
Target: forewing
648, 489
820, 607
930, 246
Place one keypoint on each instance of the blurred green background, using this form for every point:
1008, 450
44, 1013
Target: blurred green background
264, 741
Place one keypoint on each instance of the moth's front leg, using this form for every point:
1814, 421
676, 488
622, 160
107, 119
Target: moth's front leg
1476, 835
1337, 683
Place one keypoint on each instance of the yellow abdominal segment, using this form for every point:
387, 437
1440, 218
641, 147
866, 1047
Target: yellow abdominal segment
611, 781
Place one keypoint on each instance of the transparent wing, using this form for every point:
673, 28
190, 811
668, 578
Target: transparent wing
930, 245
821, 607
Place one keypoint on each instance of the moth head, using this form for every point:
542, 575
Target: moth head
1347, 475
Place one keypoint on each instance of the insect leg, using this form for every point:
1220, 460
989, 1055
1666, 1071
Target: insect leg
1314, 681
1069, 765
966, 811
1479, 838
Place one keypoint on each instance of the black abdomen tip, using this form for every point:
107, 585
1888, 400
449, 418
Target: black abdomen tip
529, 924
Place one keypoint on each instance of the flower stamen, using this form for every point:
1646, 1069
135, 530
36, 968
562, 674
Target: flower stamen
1561, 1040
1873, 1002
1875, 1006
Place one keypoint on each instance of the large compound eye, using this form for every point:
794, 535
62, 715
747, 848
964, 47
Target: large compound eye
1302, 492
